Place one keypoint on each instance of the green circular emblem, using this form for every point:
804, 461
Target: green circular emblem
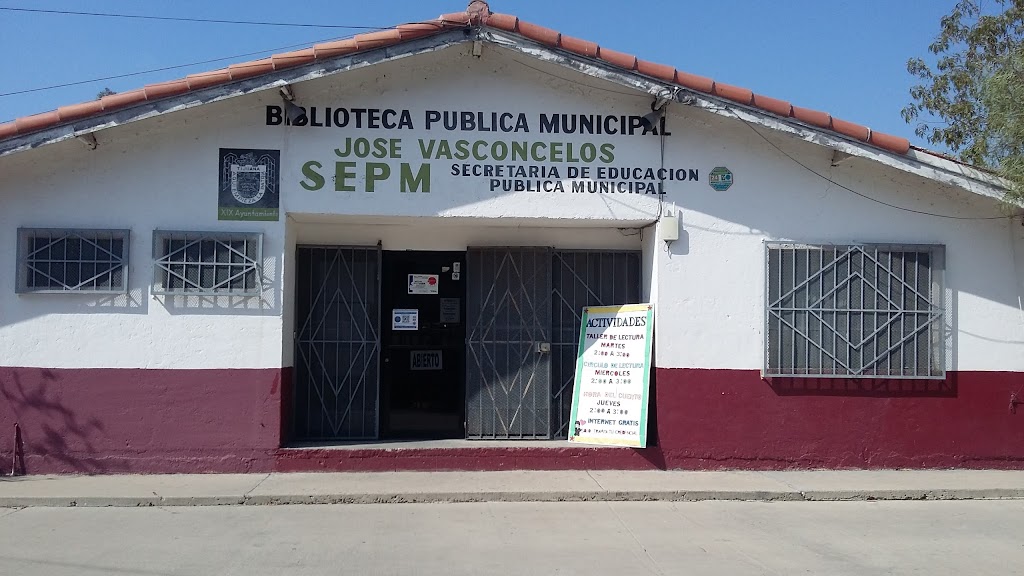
720, 178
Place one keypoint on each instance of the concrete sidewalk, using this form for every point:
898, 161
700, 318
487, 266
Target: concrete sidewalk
512, 486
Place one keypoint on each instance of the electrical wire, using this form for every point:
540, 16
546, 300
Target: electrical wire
175, 67
578, 83
184, 19
801, 164
866, 197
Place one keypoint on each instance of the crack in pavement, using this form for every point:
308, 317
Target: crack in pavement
10, 512
596, 481
654, 563
258, 484
763, 474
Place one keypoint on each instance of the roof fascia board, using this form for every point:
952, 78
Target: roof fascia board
926, 166
311, 71
957, 167
957, 175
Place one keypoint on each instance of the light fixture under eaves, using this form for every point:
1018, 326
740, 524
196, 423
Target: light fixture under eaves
658, 107
294, 112
651, 119
89, 139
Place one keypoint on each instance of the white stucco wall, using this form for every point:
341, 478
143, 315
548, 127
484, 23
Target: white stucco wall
141, 184
711, 284
708, 286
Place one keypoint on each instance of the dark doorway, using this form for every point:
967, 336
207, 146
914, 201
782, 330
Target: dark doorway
423, 298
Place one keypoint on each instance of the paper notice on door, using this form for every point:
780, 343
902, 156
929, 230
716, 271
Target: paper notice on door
423, 283
450, 311
405, 319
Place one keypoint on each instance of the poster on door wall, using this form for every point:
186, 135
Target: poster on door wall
613, 372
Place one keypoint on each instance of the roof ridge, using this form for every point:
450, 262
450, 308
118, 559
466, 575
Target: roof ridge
477, 13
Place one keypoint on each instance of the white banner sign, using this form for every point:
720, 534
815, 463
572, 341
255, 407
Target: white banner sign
613, 369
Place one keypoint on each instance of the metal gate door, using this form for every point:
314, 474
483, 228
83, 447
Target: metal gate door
508, 369
337, 342
583, 278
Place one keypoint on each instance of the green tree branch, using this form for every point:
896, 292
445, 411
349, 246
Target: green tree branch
975, 89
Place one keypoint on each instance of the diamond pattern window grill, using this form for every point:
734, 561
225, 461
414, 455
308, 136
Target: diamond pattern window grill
207, 263
57, 260
855, 311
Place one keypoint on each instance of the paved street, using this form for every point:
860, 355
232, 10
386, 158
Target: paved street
622, 538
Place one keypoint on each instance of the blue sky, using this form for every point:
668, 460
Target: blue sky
847, 57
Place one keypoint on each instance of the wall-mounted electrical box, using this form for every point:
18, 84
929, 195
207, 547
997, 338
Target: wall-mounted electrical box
668, 228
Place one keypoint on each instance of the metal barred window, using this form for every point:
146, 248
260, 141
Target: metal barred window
858, 311
207, 263
60, 260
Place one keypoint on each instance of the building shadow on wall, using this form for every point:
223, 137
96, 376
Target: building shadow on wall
756, 213
29, 306
866, 387
49, 428
267, 302
220, 305
653, 453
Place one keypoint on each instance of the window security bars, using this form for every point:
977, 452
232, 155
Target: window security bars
56, 260
207, 263
859, 311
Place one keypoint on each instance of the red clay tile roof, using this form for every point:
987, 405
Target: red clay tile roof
477, 13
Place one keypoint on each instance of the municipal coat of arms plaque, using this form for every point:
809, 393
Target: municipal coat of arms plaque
250, 182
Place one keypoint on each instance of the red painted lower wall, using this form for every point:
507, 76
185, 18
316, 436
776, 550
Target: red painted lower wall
734, 419
120, 420
111, 421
